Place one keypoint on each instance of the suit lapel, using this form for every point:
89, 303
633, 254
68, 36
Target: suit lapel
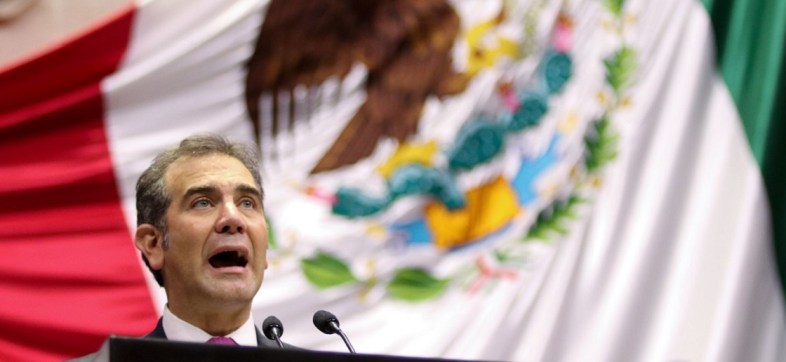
158, 332
262, 341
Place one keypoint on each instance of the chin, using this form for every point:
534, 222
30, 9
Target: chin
234, 290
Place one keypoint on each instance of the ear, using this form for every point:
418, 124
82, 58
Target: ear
149, 240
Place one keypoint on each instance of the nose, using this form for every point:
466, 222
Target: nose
230, 221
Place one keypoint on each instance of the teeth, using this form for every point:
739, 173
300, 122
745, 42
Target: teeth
240, 256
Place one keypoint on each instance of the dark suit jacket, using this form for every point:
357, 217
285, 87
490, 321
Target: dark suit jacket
262, 341
158, 333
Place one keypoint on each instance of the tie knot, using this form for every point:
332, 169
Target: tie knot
221, 340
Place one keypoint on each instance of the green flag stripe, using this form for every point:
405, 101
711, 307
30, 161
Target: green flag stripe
750, 38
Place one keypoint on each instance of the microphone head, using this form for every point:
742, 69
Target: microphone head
324, 320
272, 328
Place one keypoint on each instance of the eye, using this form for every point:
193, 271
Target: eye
248, 203
201, 204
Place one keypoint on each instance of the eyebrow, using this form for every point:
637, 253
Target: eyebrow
196, 190
248, 189
209, 189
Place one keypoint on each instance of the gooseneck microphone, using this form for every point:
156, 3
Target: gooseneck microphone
273, 329
328, 324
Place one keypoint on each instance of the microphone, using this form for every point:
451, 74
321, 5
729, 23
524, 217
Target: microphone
273, 329
328, 324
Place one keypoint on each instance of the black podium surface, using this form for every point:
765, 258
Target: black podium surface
127, 349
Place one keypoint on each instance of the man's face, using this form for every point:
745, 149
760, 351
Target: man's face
217, 233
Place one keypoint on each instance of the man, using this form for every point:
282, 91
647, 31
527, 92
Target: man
201, 230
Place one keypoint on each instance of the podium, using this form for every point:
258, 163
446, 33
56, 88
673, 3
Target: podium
128, 349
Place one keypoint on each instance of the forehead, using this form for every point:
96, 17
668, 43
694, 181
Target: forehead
213, 169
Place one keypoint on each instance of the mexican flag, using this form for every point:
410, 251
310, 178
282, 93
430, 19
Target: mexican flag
534, 180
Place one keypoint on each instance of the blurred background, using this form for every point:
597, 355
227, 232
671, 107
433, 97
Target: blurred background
516, 180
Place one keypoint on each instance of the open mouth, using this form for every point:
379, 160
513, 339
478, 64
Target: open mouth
229, 258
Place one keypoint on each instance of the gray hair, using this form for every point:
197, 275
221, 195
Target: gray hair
152, 199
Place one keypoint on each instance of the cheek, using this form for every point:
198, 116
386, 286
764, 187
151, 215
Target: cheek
186, 237
260, 240
260, 225
194, 229
261, 243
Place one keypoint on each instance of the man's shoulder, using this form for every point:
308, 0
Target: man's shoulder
88, 358
158, 331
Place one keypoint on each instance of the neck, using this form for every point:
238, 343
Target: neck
214, 321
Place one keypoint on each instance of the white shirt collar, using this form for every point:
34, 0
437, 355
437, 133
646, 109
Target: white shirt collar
177, 329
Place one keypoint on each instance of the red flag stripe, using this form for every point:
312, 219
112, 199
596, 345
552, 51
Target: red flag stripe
63, 294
